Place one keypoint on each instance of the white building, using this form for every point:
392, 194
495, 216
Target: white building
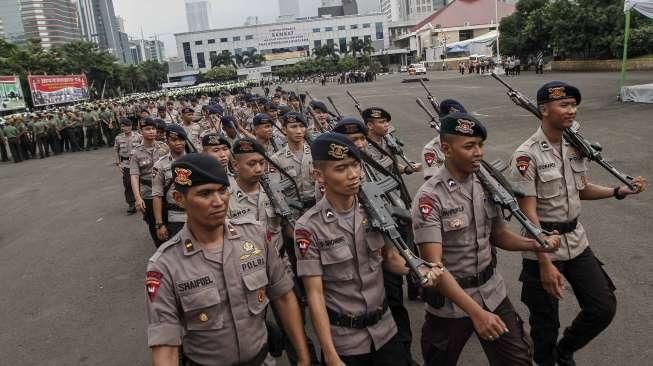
288, 9
197, 15
282, 43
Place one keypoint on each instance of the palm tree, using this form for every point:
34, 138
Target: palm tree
356, 45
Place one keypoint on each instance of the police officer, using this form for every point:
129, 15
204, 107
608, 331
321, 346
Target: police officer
456, 224
219, 147
124, 145
553, 176
90, 123
339, 261
209, 286
140, 168
3, 141
11, 134
41, 137
169, 218
432, 156
263, 132
193, 130
230, 130
321, 122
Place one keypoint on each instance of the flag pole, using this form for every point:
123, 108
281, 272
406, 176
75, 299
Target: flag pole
624, 58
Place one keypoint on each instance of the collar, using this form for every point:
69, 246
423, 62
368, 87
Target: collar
543, 142
190, 245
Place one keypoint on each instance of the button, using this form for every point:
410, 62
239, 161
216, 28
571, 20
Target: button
204, 317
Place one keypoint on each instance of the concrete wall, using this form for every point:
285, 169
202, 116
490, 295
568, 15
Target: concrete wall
601, 65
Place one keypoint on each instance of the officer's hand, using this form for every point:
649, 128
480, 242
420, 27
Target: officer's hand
433, 274
552, 240
140, 205
551, 280
640, 184
489, 326
162, 233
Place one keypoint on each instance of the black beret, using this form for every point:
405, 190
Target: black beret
149, 122
247, 145
187, 110
215, 109
214, 139
316, 104
292, 117
556, 90
283, 109
193, 170
227, 121
449, 106
376, 112
126, 121
161, 108
350, 125
261, 118
333, 146
462, 124
160, 124
176, 130
293, 96
272, 106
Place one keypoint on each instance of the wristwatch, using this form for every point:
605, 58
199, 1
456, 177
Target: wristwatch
616, 194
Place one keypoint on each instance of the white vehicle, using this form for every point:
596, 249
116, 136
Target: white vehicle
417, 69
403, 68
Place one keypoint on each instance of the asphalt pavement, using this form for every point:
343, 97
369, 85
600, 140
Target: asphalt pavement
72, 262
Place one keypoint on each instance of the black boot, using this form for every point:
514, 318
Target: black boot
564, 358
132, 209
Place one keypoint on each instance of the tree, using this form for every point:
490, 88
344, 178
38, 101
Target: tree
224, 58
221, 73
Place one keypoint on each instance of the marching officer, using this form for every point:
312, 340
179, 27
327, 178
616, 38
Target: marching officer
263, 132
457, 225
209, 286
193, 129
219, 147
553, 176
124, 145
432, 156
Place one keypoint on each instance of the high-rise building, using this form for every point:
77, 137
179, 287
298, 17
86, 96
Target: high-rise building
147, 50
289, 9
98, 24
410, 10
52, 22
197, 15
2, 30
337, 8
368, 6
120, 21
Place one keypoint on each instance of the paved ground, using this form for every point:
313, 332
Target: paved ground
72, 262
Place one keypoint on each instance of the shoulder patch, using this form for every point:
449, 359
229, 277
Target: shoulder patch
522, 162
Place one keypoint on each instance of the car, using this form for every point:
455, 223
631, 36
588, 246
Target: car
403, 68
417, 69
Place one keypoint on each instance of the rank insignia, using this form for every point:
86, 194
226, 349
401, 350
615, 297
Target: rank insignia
425, 206
183, 175
522, 164
260, 295
303, 240
250, 249
544, 144
465, 126
189, 245
429, 157
455, 224
203, 317
451, 183
152, 283
337, 151
329, 214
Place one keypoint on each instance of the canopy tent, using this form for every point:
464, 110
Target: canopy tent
481, 45
637, 93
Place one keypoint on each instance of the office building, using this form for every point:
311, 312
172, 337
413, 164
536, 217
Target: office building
51, 22
197, 15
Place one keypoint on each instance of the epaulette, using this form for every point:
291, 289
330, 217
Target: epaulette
243, 221
168, 244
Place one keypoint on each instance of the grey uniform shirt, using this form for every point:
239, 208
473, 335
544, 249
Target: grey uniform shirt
432, 157
213, 303
538, 169
350, 264
142, 162
243, 205
379, 156
124, 145
461, 217
300, 167
162, 186
194, 131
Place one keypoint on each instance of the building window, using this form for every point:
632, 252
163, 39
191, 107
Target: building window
379, 30
316, 30
342, 42
465, 34
248, 37
210, 41
367, 38
187, 54
201, 63
238, 51
197, 43
366, 25
353, 26
212, 55
224, 40
341, 27
328, 29
237, 38
330, 43
317, 44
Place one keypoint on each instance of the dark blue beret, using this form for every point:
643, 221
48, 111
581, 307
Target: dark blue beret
227, 121
316, 104
193, 170
176, 130
149, 121
376, 112
261, 118
449, 106
213, 139
556, 90
350, 125
187, 110
292, 117
126, 121
333, 146
247, 145
215, 109
462, 124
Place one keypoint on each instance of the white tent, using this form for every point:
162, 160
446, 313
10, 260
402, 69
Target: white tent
635, 93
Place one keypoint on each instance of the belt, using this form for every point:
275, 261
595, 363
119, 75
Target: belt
359, 321
123, 158
256, 361
145, 182
560, 227
478, 279
173, 207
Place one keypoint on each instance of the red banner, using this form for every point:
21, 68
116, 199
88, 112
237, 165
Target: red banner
57, 89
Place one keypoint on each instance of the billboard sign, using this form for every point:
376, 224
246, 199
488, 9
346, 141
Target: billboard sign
57, 89
11, 95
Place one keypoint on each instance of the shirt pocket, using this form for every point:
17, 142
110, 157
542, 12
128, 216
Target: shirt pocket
454, 229
337, 263
579, 168
375, 246
255, 283
202, 309
550, 183
144, 162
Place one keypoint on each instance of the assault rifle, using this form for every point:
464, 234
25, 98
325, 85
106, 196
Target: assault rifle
431, 98
380, 219
278, 200
585, 148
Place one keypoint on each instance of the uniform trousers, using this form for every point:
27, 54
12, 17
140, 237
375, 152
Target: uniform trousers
594, 291
127, 185
392, 353
443, 339
148, 217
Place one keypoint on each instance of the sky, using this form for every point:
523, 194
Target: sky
164, 18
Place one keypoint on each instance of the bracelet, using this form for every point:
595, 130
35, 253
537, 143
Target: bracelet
616, 194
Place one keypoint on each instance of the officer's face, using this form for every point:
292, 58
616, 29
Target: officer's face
206, 205
378, 126
250, 167
263, 131
295, 132
321, 116
560, 113
220, 152
148, 132
188, 116
176, 144
126, 128
358, 139
463, 153
342, 178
